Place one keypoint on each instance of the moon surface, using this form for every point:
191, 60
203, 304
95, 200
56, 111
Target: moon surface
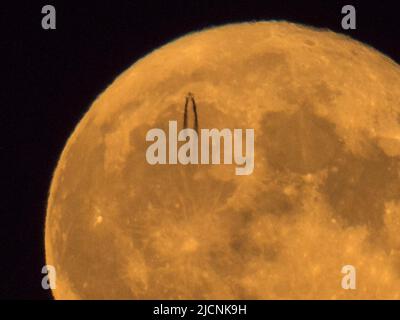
325, 191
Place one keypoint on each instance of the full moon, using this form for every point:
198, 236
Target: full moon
324, 193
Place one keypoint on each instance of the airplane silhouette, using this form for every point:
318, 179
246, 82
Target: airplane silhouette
190, 97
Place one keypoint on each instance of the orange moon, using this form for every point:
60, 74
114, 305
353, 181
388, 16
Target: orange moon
325, 191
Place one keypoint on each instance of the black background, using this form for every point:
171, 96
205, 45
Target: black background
51, 77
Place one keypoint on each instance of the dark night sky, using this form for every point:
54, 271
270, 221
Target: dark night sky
50, 79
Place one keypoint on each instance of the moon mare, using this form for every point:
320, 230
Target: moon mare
325, 191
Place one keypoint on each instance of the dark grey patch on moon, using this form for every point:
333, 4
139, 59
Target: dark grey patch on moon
303, 143
274, 201
265, 62
309, 43
241, 246
246, 248
325, 94
299, 142
359, 188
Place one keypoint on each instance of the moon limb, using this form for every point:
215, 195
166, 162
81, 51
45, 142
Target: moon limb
325, 179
